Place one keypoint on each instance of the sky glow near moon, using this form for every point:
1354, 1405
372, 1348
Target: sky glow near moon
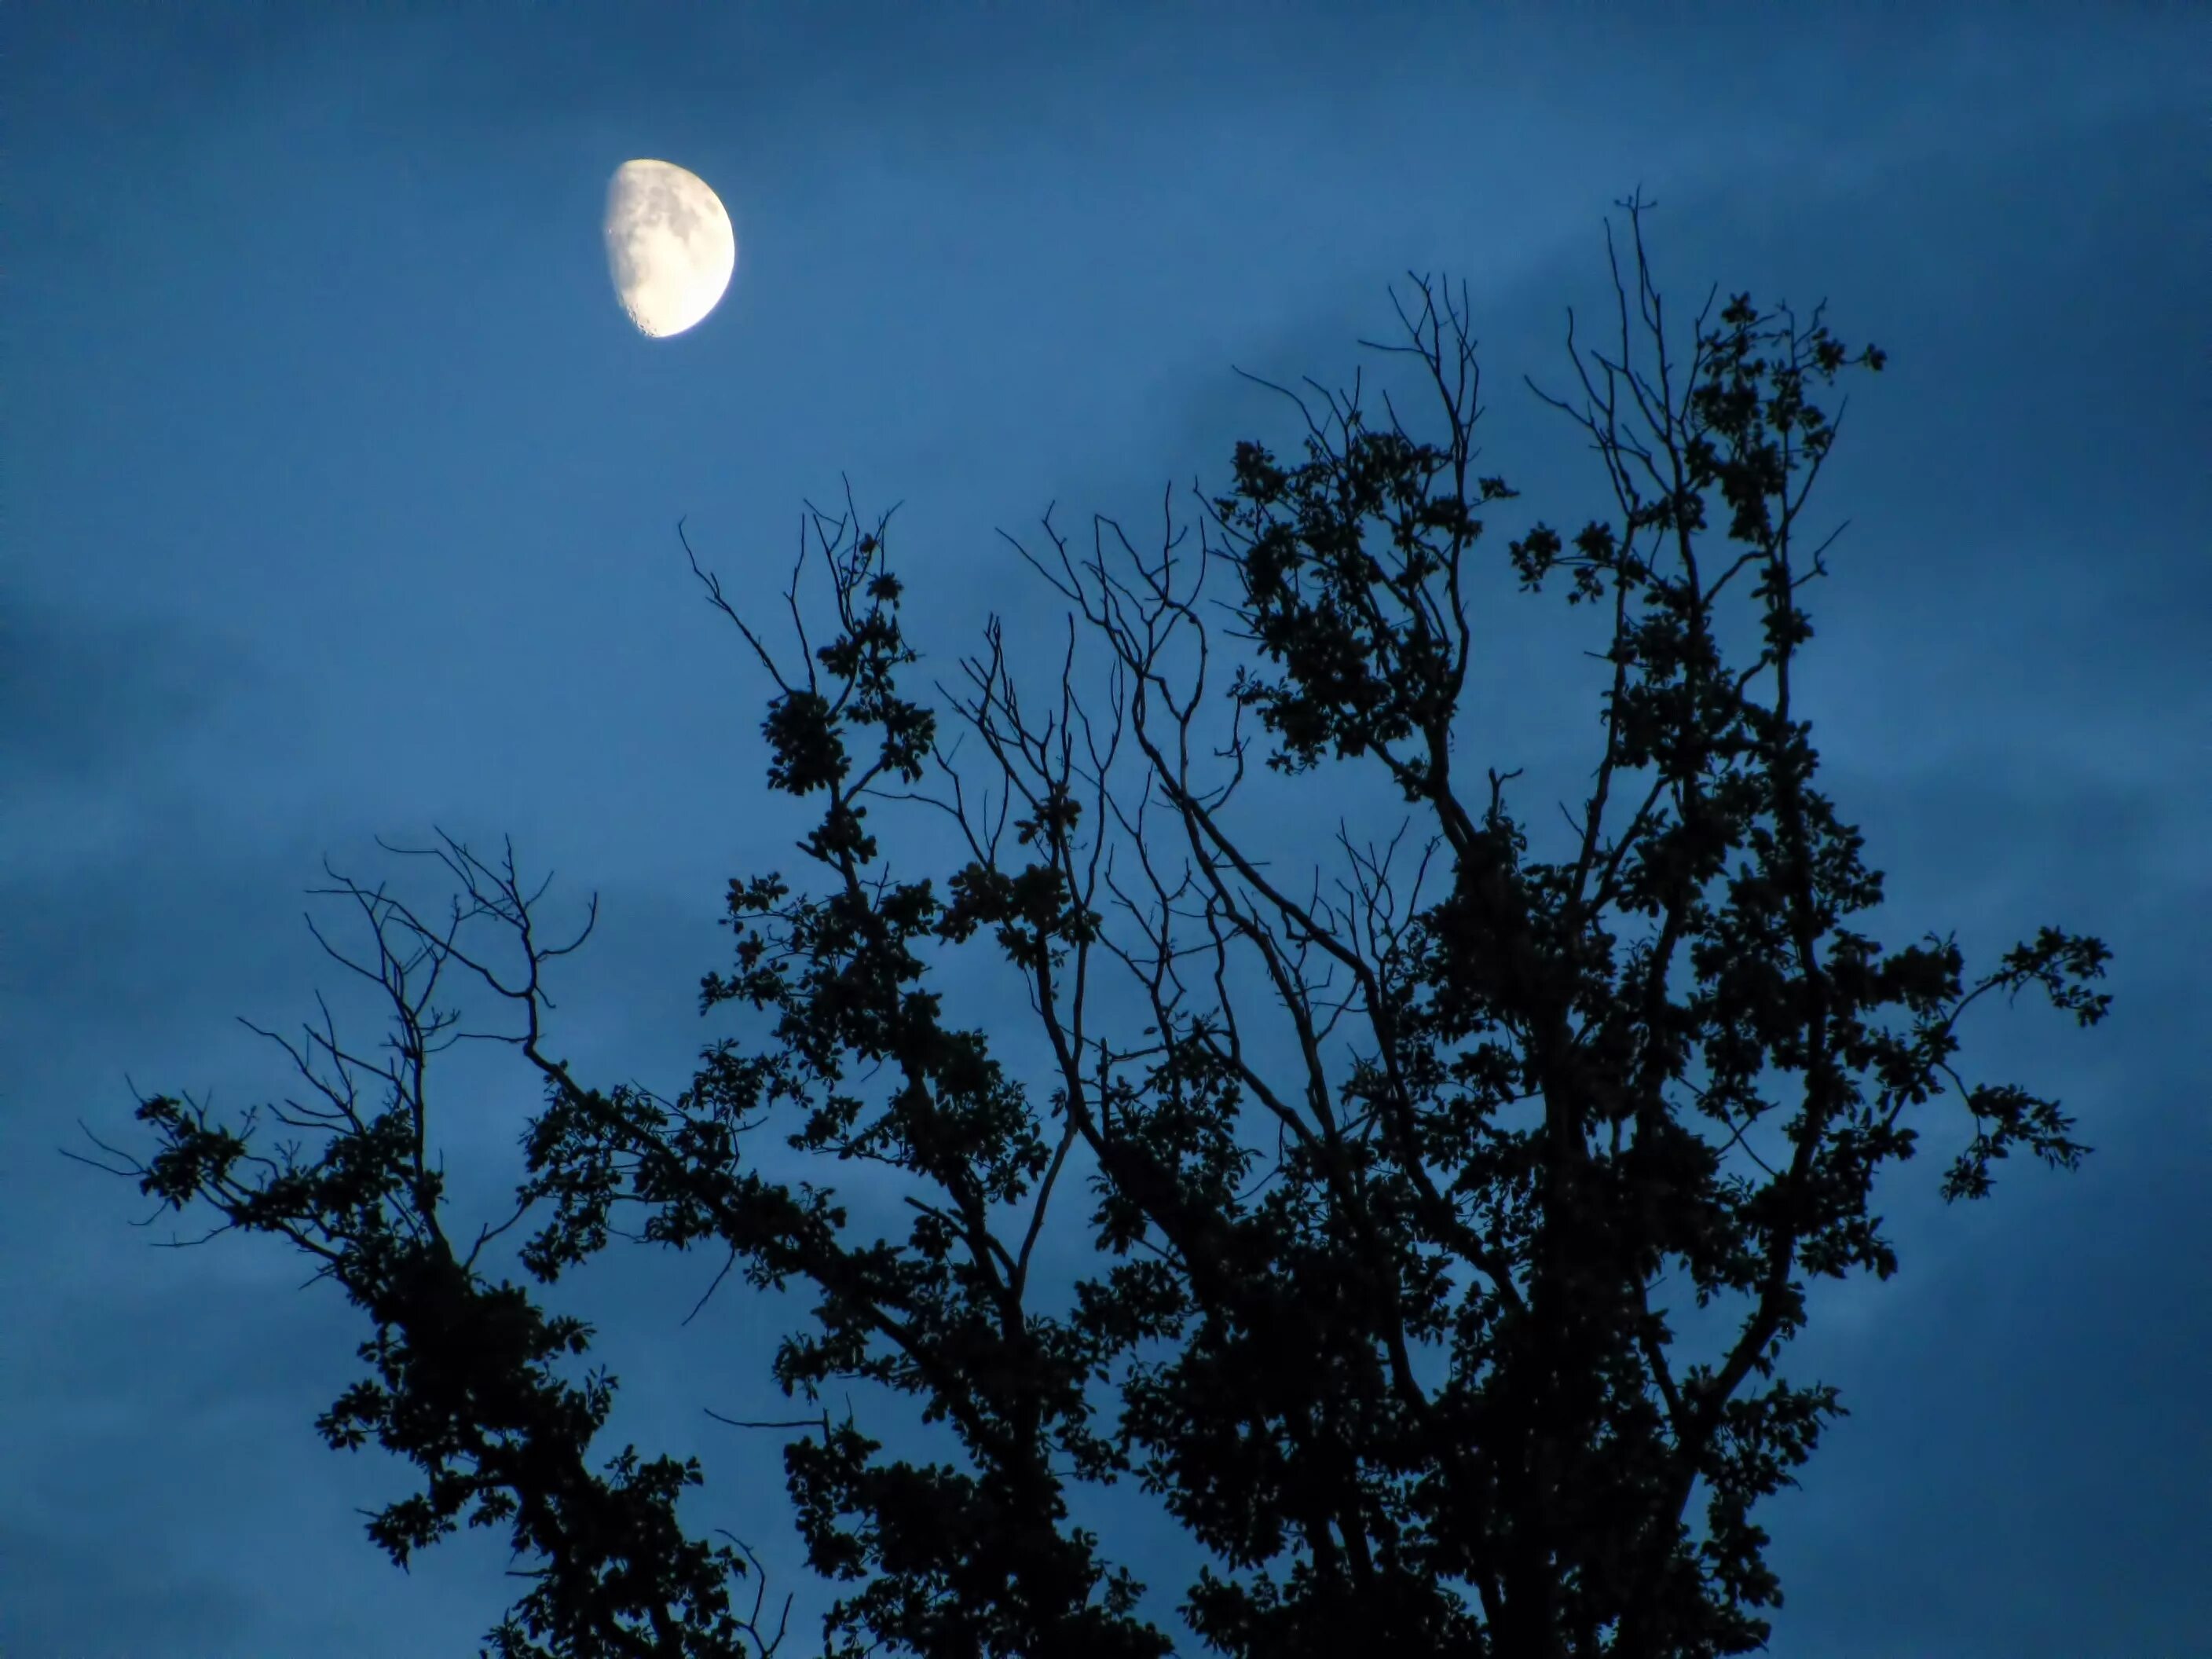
670, 248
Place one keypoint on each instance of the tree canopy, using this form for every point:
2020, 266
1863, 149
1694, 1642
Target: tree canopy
1392, 1179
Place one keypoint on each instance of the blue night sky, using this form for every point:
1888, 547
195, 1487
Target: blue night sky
341, 501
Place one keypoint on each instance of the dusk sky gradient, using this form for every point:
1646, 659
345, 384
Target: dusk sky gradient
341, 501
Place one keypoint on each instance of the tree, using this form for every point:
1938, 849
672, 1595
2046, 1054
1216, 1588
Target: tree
1373, 1314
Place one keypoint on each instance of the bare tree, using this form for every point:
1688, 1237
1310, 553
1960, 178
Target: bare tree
1387, 1167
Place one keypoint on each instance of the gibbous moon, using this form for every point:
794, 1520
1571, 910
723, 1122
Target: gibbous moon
670, 246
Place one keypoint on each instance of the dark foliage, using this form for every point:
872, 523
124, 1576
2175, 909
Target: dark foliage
1385, 1176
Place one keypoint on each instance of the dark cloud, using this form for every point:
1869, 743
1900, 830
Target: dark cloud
141, 1608
84, 693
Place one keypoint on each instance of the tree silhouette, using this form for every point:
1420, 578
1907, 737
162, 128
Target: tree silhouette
1385, 1170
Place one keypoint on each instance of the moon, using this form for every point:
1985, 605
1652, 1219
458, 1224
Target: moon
670, 248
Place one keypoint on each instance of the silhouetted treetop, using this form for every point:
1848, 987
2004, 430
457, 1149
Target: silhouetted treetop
1400, 1173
